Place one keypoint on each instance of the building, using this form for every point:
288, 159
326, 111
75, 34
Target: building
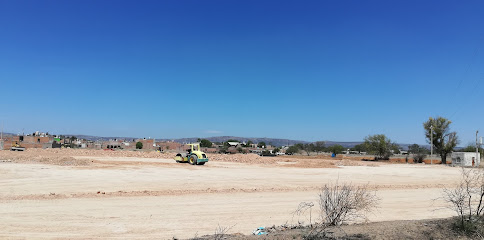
466, 159
28, 141
234, 144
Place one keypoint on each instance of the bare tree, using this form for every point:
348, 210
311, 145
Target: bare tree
221, 231
467, 198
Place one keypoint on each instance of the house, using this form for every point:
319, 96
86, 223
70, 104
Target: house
28, 141
466, 159
234, 144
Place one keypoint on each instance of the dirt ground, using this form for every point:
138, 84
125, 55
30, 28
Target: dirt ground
66, 193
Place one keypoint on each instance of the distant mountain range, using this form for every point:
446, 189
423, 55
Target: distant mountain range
272, 141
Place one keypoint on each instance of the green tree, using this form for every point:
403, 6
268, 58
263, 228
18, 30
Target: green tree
319, 146
379, 145
139, 145
419, 153
443, 140
249, 143
396, 149
360, 148
308, 148
276, 150
261, 144
205, 143
292, 150
415, 149
336, 149
299, 146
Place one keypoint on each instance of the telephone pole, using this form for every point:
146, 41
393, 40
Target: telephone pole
477, 148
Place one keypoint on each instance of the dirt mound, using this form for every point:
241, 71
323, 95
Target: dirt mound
66, 157
42, 156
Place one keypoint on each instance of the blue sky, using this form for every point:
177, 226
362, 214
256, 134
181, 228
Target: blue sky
306, 70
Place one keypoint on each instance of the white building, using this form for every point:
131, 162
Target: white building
466, 159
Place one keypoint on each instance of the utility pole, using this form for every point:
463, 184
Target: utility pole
431, 143
477, 148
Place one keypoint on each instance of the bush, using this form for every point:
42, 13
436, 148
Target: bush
419, 157
139, 145
467, 201
205, 143
379, 145
339, 204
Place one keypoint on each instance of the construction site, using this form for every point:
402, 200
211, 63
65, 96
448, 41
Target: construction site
235, 120
86, 193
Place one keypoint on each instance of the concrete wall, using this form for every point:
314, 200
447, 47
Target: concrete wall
466, 159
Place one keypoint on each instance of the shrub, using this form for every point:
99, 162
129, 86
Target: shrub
419, 157
467, 201
139, 145
339, 204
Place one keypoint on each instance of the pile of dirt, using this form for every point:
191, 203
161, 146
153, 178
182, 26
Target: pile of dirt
417, 229
43, 157
65, 157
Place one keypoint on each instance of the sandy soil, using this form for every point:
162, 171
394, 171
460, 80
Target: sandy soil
93, 194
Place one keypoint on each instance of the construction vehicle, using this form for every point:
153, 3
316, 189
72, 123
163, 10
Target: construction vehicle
16, 146
193, 155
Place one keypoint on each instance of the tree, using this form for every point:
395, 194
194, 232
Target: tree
319, 146
276, 150
396, 149
249, 143
292, 150
360, 148
469, 148
205, 143
308, 148
299, 146
442, 138
419, 153
261, 145
336, 149
467, 199
379, 145
139, 145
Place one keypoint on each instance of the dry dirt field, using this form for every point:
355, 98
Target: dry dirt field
82, 194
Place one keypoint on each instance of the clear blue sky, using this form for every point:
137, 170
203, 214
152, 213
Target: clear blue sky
307, 70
